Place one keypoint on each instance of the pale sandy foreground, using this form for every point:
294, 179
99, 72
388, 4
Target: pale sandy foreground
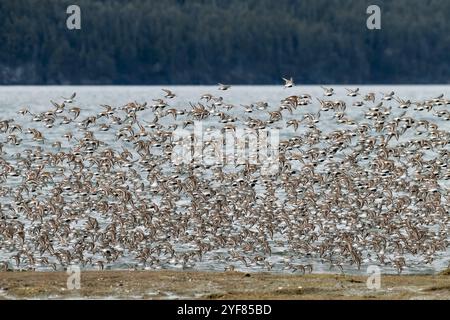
209, 285
229, 285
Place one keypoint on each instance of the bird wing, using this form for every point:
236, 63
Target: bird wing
54, 103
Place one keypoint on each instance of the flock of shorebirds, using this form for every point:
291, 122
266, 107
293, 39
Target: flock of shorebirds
371, 192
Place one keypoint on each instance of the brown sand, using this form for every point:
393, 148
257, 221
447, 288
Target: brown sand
225, 285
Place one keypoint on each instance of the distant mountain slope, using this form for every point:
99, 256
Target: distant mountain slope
231, 41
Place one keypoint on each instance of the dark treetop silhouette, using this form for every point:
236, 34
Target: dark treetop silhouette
229, 41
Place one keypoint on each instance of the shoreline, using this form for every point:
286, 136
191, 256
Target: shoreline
220, 285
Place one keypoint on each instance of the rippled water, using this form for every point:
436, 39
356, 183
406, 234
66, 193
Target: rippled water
89, 98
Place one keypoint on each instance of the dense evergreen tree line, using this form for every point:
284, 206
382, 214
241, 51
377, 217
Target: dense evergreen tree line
232, 41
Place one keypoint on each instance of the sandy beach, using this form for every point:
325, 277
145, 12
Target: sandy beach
223, 286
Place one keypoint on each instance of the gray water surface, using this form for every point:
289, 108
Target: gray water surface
89, 98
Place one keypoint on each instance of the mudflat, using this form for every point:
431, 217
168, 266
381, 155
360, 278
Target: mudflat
218, 285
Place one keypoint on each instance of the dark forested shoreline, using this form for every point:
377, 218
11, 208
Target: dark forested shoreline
235, 41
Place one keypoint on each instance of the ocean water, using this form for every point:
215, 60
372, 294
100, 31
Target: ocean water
90, 98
